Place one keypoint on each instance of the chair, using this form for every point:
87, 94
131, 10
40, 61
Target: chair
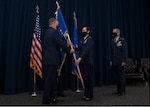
145, 68
132, 71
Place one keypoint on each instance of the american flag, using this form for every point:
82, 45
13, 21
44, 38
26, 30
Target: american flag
36, 49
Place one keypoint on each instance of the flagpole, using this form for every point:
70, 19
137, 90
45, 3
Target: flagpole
63, 61
78, 90
69, 43
74, 56
34, 93
74, 17
35, 70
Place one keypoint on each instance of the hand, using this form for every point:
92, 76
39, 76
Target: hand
73, 46
65, 35
110, 63
72, 51
123, 64
78, 61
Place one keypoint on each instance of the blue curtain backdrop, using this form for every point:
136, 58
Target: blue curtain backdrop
17, 19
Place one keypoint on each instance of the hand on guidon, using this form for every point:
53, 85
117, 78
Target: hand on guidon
72, 51
78, 61
66, 35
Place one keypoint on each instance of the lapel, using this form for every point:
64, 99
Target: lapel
84, 40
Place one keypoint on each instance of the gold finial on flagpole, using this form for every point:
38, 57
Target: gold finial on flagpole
57, 4
74, 17
56, 13
74, 14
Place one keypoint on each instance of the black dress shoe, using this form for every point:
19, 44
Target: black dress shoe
121, 94
88, 99
53, 102
84, 97
61, 95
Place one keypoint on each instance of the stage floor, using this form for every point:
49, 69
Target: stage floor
135, 95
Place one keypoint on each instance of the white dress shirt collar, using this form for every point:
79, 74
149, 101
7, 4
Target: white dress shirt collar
116, 39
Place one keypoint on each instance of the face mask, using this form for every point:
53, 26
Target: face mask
115, 34
84, 33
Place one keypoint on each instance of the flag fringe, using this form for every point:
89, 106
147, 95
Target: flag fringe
35, 67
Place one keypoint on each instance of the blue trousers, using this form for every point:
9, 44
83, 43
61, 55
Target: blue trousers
50, 85
120, 78
87, 74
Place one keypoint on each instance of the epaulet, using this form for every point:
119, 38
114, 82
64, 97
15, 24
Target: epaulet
89, 37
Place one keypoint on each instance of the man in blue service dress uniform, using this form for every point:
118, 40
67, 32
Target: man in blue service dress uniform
51, 44
118, 60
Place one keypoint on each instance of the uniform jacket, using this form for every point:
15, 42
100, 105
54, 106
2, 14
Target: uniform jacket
119, 51
86, 50
51, 44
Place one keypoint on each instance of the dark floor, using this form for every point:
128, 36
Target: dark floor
136, 95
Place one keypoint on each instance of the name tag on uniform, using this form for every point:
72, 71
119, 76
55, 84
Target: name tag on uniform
119, 43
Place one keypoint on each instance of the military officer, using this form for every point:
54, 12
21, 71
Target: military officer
118, 60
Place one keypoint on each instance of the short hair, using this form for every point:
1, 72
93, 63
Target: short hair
117, 29
51, 20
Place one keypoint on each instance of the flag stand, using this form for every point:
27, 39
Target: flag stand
34, 93
78, 90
